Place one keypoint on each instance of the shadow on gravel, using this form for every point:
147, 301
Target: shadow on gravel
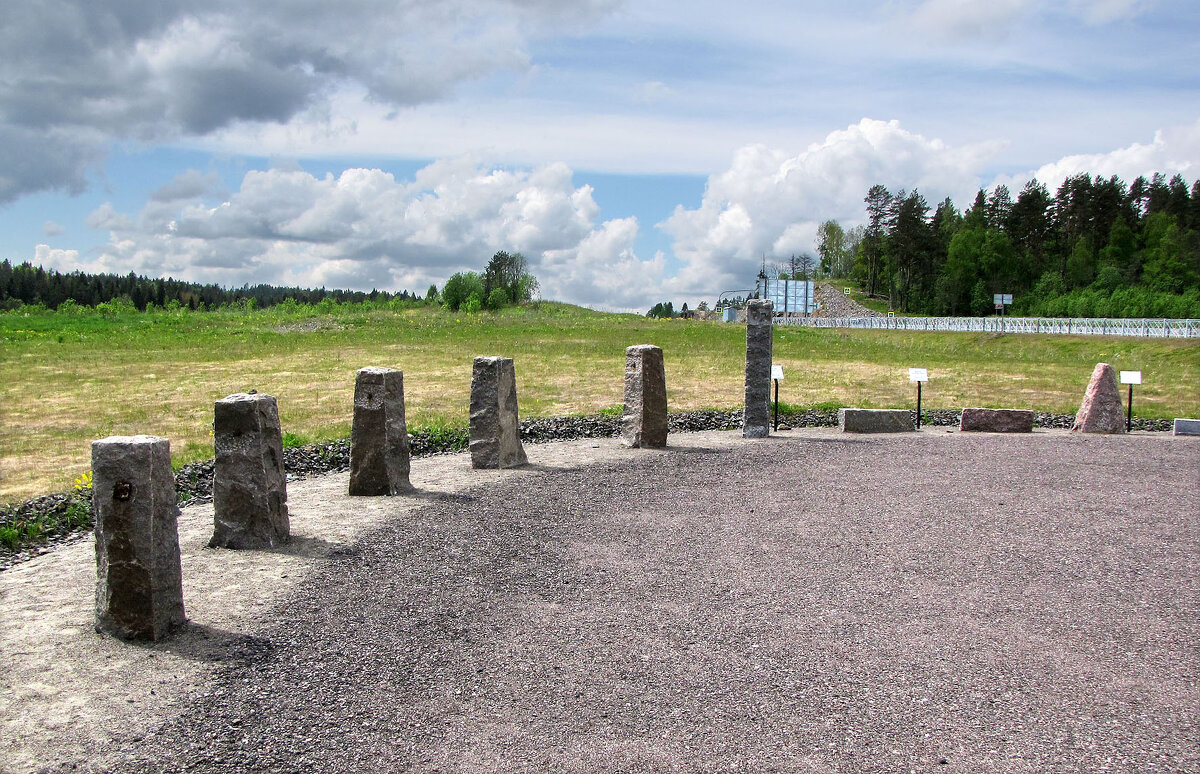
201, 642
308, 547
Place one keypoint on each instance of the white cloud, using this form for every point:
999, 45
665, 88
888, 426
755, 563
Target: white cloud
50, 228
363, 229
1175, 149
769, 202
158, 71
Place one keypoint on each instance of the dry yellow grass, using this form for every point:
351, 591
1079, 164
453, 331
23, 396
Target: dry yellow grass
68, 380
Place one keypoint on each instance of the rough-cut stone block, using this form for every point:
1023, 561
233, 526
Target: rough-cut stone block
379, 455
644, 421
1186, 427
249, 485
139, 590
756, 420
855, 420
1101, 410
495, 428
986, 420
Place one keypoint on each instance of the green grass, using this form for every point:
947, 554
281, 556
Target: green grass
70, 379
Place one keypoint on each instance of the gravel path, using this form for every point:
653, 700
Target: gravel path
929, 601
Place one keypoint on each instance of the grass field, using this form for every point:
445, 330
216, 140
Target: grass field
70, 379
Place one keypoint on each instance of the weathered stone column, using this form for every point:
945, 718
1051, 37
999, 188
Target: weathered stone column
249, 485
756, 420
1101, 410
644, 421
495, 429
379, 456
139, 589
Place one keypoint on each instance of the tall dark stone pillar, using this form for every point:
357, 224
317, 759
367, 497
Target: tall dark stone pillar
139, 590
249, 485
495, 428
756, 421
379, 455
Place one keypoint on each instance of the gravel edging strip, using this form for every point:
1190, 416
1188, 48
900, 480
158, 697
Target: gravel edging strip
67, 515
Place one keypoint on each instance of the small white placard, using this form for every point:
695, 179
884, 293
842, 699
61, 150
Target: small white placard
918, 375
1131, 377
777, 372
997, 298
1007, 299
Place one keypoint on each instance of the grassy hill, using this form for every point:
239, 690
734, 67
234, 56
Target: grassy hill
71, 378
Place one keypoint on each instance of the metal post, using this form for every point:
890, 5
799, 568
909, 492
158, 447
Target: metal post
918, 405
1129, 418
777, 404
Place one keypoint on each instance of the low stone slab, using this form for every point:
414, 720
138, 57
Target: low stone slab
379, 453
495, 432
854, 420
1101, 410
249, 485
139, 589
1186, 427
644, 420
985, 420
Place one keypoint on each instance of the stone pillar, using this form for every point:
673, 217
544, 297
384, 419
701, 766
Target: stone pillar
756, 420
379, 457
249, 485
495, 430
644, 421
1101, 410
139, 589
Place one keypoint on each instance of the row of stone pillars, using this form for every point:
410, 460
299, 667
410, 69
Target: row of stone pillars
139, 591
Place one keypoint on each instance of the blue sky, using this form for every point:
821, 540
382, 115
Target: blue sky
634, 151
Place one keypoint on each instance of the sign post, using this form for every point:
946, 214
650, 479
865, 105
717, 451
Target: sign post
777, 377
918, 375
1131, 378
1001, 300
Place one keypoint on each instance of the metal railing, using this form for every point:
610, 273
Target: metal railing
1159, 328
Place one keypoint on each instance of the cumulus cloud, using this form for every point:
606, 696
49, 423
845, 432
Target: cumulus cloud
80, 74
364, 228
769, 202
50, 228
1173, 149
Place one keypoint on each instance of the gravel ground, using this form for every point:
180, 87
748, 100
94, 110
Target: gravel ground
930, 601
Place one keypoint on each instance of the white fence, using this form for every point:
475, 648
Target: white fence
1162, 329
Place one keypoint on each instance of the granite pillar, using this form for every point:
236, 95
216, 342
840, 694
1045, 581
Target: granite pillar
249, 485
139, 590
495, 436
644, 420
756, 421
379, 454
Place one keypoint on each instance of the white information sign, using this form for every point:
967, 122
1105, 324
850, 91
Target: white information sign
918, 375
1008, 298
1131, 377
1002, 298
777, 372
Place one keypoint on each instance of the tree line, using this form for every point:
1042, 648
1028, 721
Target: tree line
27, 284
1096, 248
